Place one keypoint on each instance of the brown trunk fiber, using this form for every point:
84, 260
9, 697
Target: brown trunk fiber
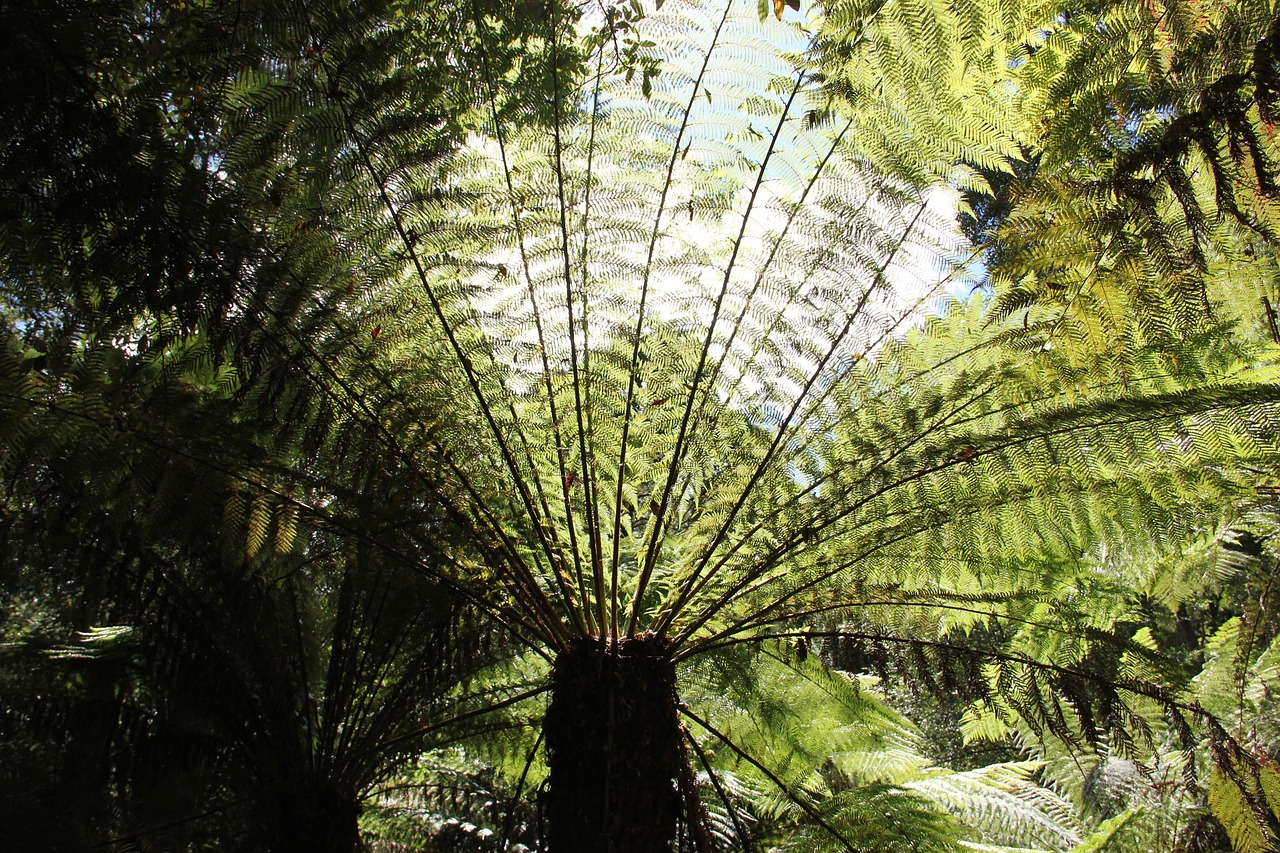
613, 747
314, 818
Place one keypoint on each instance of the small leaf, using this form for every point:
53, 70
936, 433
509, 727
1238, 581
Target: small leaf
778, 6
259, 521
1106, 831
376, 331
286, 528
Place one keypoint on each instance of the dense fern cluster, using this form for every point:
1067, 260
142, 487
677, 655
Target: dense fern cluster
362, 366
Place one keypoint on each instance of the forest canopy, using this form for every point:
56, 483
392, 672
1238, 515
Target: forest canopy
639, 427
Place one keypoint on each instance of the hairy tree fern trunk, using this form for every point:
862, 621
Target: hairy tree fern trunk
314, 818
613, 746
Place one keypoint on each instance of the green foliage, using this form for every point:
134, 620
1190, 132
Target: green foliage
1234, 803
876, 817
344, 390
1141, 135
191, 654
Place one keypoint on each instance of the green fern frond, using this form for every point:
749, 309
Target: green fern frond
1006, 805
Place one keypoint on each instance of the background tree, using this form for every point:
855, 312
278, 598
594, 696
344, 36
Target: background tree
183, 664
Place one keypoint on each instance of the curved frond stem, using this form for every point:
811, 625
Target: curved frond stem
463, 717
1086, 285
1122, 412
775, 779
778, 322
132, 838
1125, 412
397, 448
337, 703
1150, 410
366, 705
808, 536
900, 534
945, 601
351, 397
633, 370
580, 616
818, 482
310, 716
509, 619
748, 845
737, 325
684, 434
762, 581
801, 447
509, 824
696, 580
1139, 687
767, 265
590, 482
464, 361
600, 615
1245, 651
583, 616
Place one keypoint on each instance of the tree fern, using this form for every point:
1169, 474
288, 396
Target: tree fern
641, 367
